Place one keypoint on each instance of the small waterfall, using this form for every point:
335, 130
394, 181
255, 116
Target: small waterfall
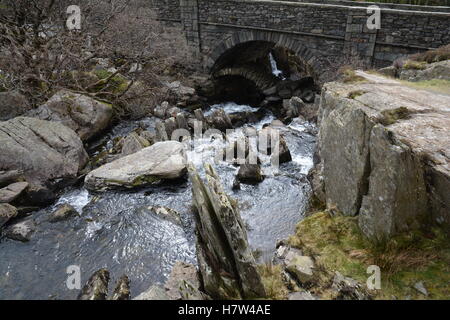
277, 72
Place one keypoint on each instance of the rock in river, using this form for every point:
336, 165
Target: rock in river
21, 231
226, 263
64, 212
163, 160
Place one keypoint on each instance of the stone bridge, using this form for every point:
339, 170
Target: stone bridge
228, 32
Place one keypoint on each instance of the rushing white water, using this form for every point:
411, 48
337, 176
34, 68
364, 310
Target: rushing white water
77, 198
230, 107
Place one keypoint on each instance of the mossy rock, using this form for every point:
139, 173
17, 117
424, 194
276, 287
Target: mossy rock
337, 244
393, 115
414, 65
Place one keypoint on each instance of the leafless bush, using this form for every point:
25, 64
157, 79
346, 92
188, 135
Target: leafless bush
342, 67
39, 55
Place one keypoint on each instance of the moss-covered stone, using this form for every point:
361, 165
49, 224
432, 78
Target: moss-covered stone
392, 115
414, 65
337, 244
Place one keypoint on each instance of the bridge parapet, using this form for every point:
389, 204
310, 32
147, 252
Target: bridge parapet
329, 31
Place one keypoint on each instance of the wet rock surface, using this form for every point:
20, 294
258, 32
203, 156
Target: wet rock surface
161, 161
226, 263
64, 212
21, 231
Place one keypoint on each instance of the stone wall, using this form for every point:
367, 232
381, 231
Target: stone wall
329, 29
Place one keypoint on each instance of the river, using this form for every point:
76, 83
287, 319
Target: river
116, 230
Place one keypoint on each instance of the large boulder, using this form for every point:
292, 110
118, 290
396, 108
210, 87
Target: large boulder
83, 114
226, 263
46, 152
161, 161
12, 104
384, 148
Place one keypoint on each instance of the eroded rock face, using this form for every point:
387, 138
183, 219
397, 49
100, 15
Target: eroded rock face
397, 199
86, 116
226, 263
12, 104
385, 151
161, 161
46, 152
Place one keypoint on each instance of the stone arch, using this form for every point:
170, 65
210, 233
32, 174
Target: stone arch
315, 63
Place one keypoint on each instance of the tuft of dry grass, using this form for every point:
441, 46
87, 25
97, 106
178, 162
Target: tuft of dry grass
272, 279
435, 55
348, 75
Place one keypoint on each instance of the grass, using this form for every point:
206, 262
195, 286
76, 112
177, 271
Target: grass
392, 115
414, 65
435, 85
338, 245
349, 75
272, 278
435, 55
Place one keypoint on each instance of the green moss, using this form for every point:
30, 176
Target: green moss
392, 115
338, 245
116, 84
414, 65
355, 94
144, 180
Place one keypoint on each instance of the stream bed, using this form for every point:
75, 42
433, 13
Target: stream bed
117, 230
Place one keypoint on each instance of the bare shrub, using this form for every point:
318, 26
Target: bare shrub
39, 55
343, 68
436, 55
